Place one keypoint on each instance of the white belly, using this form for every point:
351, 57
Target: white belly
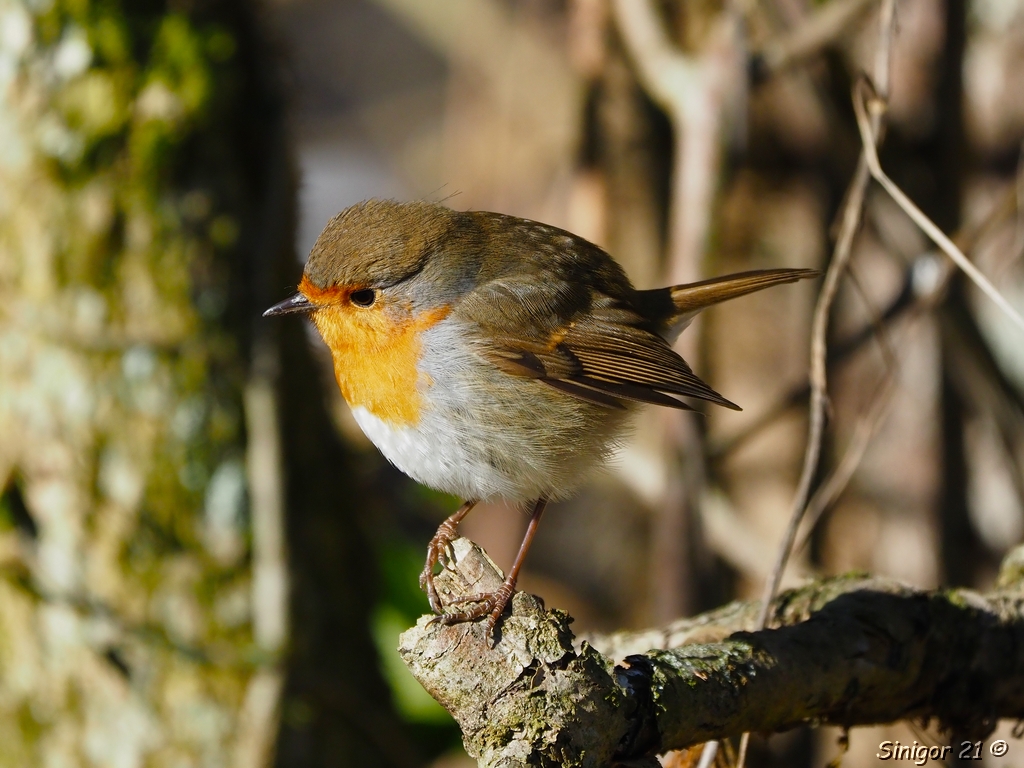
439, 458
486, 434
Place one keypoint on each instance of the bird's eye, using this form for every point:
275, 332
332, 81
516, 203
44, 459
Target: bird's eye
364, 297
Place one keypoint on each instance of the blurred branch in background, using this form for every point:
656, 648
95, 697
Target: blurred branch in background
264, 462
507, 80
697, 92
864, 101
851, 218
823, 27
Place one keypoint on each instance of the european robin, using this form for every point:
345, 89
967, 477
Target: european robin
490, 357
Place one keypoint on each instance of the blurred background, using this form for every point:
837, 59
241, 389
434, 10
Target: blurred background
204, 563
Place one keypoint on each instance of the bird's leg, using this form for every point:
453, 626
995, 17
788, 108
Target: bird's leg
438, 548
493, 604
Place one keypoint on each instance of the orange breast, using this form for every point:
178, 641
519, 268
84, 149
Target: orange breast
376, 351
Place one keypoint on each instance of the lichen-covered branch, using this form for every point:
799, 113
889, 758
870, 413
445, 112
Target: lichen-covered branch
850, 650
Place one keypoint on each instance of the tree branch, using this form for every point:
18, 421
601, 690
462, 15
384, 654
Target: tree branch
851, 650
822, 28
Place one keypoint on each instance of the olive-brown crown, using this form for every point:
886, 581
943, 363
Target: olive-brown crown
378, 243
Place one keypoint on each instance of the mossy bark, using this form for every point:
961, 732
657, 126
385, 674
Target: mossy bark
851, 650
126, 607
146, 455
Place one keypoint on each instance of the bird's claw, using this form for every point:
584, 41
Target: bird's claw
439, 550
489, 604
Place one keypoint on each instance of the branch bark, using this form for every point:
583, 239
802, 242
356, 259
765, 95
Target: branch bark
851, 650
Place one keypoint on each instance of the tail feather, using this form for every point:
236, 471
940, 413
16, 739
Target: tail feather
689, 299
693, 297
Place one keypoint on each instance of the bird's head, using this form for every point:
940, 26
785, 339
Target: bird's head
376, 253
379, 274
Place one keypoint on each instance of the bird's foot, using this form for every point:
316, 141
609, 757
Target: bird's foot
489, 604
439, 550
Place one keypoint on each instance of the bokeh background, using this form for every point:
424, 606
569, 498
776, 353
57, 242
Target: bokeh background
204, 563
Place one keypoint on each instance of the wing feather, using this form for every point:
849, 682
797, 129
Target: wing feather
606, 355
558, 309
595, 396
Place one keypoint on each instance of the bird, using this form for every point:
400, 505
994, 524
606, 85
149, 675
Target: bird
493, 357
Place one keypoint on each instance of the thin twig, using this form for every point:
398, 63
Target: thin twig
818, 377
863, 102
693, 91
967, 238
819, 330
840, 258
866, 427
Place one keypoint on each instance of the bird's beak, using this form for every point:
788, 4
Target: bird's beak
291, 305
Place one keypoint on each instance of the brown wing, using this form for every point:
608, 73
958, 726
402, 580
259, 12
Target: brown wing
606, 355
558, 309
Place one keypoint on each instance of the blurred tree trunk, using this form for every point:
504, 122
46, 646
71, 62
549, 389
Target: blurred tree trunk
149, 447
